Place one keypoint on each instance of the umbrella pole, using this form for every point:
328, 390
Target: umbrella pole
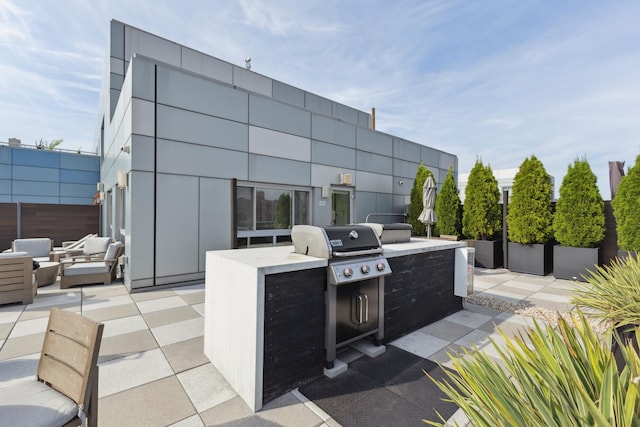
428, 231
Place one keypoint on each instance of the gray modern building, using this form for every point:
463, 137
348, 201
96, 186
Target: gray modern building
198, 154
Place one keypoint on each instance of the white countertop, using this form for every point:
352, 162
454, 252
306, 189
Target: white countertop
280, 259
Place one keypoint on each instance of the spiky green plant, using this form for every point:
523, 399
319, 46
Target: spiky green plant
612, 292
530, 214
626, 209
448, 207
482, 217
579, 217
415, 205
563, 376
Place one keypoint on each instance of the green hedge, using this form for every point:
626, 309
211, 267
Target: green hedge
626, 209
482, 217
448, 208
530, 216
579, 217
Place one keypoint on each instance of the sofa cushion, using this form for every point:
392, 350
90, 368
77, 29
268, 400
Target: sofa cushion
96, 245
13, 254
112, 251
95, 267
36, 247
32, 403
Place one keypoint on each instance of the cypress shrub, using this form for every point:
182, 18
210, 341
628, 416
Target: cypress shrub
626, 209
579, 216
448, 207
415, 205
530, 215
482, 217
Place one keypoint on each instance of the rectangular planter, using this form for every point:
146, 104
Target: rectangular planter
488, 253
572, 263
532, 259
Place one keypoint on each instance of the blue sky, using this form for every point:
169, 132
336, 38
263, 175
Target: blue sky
499, 80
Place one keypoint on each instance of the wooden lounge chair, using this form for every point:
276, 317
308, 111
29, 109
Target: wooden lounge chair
17, 282
66, 387
84, 270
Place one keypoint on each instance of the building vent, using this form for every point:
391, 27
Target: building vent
14, 142
346, 179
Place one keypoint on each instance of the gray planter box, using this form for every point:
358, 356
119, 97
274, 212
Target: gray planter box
488, 253
532, 259
573, 263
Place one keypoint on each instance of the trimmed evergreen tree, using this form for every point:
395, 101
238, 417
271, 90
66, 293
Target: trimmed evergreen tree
626, 209
579, 217
448, 207
482, 217
415, 205
530, 214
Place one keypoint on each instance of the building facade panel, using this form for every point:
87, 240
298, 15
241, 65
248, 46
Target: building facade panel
192, 93
5, 171
5, 187
342, 112
143, 43
374, 142
37, 158
142, 153
375, 182
206, 65
35, 188
252, 81
406, 150
279, 171
429, 157
270, 114
333, 131
186, 126
278, 144
142, 117
318, 104
370, 162
77, 190
139, 235
333, 155
214, 219
80, 162
177, 227
32, 173
404, 168
289, 94
322, 175
446, 161
190, 159
5, 155
143, 82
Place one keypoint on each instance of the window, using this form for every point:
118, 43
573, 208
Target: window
261, 208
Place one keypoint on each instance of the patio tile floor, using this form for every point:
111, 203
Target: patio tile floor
153, 370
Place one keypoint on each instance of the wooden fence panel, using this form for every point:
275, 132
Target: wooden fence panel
8, 224
59, 222
610, 242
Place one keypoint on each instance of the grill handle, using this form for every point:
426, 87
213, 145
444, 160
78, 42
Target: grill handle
375, 251
359, 309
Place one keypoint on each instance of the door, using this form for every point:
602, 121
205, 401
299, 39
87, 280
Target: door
340, 207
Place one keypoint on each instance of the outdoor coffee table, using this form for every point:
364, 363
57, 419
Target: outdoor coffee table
47, 273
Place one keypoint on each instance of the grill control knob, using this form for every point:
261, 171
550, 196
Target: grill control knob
365, 269
348, 272
381, 266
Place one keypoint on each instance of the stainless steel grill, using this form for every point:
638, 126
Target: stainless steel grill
354, 303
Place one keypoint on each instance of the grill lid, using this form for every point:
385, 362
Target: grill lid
335, 241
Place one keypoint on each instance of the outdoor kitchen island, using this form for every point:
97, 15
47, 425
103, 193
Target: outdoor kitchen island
265, 309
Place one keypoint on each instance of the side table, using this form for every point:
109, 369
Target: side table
47, 273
